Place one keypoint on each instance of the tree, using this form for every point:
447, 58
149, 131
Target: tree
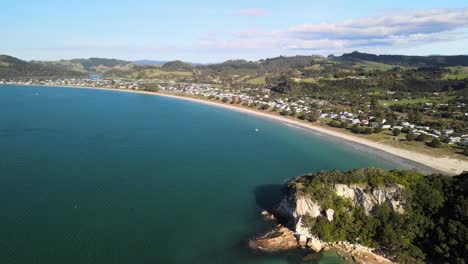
356, 129
396, 132
312, 117
410, 136
264, 107
377, 129
301, 116
368, 130
344, 125
421, 137
151, 87
435, 143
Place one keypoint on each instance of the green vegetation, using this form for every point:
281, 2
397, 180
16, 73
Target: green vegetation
257, 81
176, 66
433, 227
402, 60
151, 87
14, 68
426, 91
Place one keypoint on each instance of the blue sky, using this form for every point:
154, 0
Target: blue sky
212, 31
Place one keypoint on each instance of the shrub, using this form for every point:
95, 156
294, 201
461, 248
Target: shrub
312, 118
378, 129
435, 143
410, 136
368, 130
421, 137
356, 129
396, 132
344, 125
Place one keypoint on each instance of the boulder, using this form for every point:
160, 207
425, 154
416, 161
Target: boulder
330, 212
280, 238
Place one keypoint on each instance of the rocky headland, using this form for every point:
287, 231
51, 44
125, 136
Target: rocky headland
296, 205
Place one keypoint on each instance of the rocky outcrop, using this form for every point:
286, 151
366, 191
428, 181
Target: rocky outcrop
370, 197
330, 212
297, 205
280, 238
359, 254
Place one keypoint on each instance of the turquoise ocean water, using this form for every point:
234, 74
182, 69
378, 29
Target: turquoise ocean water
94, 176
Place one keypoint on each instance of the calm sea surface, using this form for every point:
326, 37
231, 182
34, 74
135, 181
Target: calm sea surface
94, 176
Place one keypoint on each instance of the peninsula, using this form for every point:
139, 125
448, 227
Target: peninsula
376, 216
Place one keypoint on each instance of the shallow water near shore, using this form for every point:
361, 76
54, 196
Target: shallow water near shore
93, 176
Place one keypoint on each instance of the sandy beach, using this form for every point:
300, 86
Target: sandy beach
446, 165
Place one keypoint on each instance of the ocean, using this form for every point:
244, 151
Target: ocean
96, 176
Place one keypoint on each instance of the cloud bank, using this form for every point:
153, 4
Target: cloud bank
390, 30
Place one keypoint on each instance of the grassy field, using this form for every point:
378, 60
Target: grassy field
371, 65
458, 76
401, 102
257, 81
315, 67
305, 80
456, 73
154, 73
418, 100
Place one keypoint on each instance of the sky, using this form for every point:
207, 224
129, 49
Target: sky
214, 31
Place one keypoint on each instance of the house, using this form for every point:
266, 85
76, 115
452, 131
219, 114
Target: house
448, 131
386, 126
375, 124
355, 121
453, 140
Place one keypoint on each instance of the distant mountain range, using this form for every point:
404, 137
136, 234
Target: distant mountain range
149, 62
11, 67
411, 61
160, 63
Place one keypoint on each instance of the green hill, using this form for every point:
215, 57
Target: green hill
11, 67
176, 66
403, 60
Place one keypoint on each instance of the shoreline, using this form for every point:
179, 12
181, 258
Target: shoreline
445, 165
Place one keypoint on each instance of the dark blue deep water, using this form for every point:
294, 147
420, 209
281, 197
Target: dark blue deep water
94, 176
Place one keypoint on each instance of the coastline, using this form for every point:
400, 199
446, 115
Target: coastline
445, 165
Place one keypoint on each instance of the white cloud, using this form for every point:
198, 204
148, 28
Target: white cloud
390, 30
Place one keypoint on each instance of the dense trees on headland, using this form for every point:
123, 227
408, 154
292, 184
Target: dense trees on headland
433, 227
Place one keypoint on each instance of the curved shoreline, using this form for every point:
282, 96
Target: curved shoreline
438, 164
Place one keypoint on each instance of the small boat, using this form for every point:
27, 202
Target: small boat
257, 130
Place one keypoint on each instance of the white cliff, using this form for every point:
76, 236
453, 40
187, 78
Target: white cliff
370, 197
296, 205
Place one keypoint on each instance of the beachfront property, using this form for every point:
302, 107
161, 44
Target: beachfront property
258, 97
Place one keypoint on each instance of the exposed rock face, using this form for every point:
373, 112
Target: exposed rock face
296, 205
280, 238
330, 213
368, 198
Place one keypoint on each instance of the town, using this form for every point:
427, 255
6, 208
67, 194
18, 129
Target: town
359, 122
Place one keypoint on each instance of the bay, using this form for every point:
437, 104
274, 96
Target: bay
95, 176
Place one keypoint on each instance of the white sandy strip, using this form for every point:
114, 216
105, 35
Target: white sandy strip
444, 164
